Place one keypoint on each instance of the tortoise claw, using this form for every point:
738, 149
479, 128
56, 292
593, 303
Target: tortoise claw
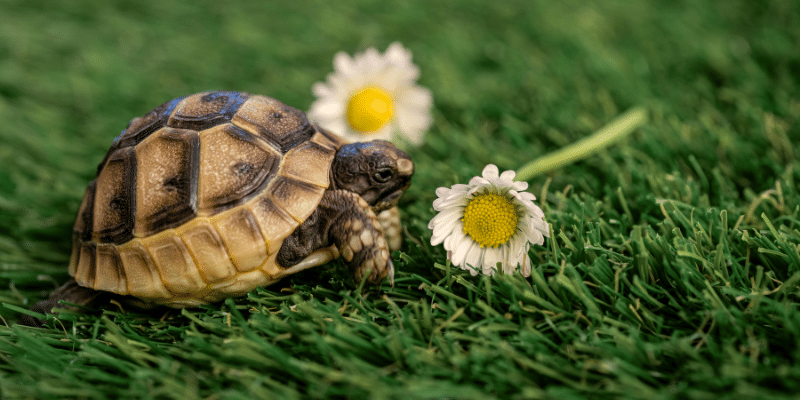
390, 267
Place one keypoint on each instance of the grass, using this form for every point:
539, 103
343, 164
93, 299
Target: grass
673, 267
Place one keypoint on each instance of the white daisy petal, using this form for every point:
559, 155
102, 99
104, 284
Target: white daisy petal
459, 246
412, 124
472, 271
447, 243
491, 258
448, 216
443, 227
325, 109
525, 196
440, 225
478, 181
451, 201
490, 171
520, 186
532, 208
525, 268
414, 98
321, 90
343, 64
411, 118
438, 237
445, 193
370, 60
455, 237
459, 187
536, 234
536, 237
509, 176
475, 256
335, 125
544, 229
398, 55
461, 251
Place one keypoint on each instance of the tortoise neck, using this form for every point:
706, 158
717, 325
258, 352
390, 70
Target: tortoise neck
332, 179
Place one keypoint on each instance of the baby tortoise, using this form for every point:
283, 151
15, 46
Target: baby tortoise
214, 194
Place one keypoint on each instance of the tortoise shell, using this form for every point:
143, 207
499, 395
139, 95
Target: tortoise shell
193, 200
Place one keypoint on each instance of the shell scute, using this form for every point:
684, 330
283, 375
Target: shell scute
142, 277
281, 126
84, 222
275, 223
109, 273
297, 198
87, 261
177, 269
115, 198
205, 244
203, 110
166, 180
242, 237
140, 128
234, 165
309, 162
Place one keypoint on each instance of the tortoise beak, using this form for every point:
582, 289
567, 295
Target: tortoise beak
388, 201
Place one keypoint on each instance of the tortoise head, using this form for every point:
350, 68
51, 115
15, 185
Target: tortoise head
378, 171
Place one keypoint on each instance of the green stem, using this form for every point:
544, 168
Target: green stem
617, 129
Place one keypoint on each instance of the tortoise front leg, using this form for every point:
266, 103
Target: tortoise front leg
358, 235
390, 222
345, 220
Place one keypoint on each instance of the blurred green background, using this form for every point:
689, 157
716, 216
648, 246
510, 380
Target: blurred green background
511, 81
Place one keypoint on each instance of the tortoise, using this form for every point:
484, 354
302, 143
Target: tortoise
211, 195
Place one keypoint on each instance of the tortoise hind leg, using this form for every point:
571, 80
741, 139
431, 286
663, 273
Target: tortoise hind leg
70, 292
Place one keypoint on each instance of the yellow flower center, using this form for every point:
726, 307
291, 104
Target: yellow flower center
369, 109
490, 219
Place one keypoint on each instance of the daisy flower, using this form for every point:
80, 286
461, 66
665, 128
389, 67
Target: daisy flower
491, 220
373, 96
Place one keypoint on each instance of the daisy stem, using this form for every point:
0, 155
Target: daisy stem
617, 129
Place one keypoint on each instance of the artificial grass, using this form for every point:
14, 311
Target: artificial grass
673, 267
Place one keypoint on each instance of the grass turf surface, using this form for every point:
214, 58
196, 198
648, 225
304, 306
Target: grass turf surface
672, 272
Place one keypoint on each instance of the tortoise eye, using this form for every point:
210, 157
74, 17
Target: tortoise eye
383, 175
